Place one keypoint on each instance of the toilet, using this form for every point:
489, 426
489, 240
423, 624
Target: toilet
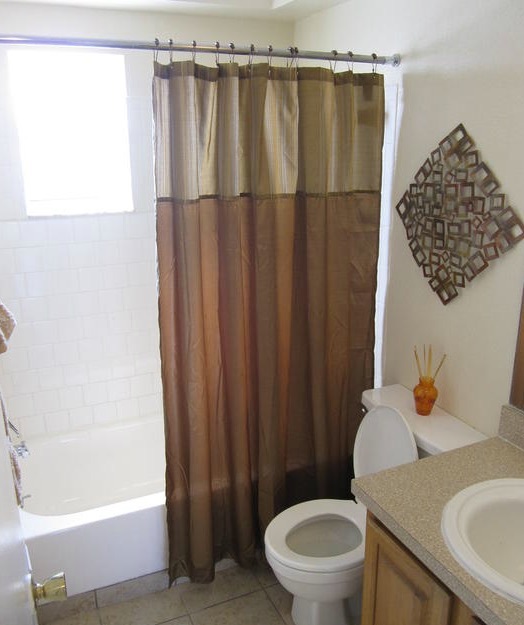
316, 548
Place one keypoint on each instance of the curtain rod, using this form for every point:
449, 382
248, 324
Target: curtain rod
216, 48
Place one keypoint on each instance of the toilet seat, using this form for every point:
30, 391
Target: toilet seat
292, 518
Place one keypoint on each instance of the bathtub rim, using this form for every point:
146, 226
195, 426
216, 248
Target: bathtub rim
36, 525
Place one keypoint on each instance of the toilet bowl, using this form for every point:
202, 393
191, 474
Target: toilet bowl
316, 548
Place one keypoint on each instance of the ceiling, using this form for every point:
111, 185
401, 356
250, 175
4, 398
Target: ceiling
285, 10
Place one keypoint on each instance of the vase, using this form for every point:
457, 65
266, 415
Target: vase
425, 394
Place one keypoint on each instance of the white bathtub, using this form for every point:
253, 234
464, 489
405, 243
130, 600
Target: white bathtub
97, 505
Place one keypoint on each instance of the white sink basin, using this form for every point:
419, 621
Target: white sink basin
483, 527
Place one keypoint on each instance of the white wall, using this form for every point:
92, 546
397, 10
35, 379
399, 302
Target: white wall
461, 62
83, 289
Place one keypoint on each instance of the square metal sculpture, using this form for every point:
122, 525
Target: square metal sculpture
455, 216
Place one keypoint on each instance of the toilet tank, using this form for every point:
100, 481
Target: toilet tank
434, 434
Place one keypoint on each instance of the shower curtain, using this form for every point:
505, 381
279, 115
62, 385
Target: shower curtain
268, 202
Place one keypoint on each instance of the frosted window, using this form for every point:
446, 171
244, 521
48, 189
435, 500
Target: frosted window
71, 113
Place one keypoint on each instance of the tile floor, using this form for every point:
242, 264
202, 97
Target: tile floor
236, 597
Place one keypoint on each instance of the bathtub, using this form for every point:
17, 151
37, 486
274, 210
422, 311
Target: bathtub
97, 505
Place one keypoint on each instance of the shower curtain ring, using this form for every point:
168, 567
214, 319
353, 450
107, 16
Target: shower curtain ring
170, 50
217, 53
334, 53
157, 44
374, 64
291, 50
251, 55
350, 54
289, 63
193, 53
269, 57
232, 53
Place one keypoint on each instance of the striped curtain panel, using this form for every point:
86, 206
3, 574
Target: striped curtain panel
268, 204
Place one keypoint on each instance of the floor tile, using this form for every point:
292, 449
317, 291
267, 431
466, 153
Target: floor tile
264, 574
252, 609
157, 607
282, 600
83, 618
183, 620
132, 588
62, 609
228, 584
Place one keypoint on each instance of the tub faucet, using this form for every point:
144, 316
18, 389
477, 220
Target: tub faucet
21, 449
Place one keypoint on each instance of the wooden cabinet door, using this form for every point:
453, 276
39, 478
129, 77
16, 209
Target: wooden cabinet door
462, 615
398, 589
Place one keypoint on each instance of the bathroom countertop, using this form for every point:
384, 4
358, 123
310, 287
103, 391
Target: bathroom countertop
409, 501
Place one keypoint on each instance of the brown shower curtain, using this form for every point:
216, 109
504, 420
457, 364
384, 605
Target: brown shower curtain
268, 202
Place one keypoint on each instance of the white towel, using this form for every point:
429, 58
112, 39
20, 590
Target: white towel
7, 325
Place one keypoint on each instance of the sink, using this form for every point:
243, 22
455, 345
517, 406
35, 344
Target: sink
483, 527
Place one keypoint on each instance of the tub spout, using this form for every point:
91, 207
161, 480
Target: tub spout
22, 503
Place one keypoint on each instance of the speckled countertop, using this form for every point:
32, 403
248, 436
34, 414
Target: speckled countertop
409, 501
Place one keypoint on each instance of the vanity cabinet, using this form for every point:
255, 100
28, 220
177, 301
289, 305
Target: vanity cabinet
399, 589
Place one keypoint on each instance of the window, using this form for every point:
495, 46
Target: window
71, 113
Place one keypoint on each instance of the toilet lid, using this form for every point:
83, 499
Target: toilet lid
384, 440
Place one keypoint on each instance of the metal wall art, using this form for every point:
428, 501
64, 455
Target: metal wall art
455, 216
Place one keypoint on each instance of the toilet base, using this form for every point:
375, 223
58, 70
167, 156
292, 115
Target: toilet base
307, 612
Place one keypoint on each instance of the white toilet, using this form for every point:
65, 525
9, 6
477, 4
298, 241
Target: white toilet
316, 548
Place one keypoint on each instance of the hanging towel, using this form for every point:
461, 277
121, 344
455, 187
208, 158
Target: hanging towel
7, 325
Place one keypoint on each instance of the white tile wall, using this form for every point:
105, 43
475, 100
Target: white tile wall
85, 351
